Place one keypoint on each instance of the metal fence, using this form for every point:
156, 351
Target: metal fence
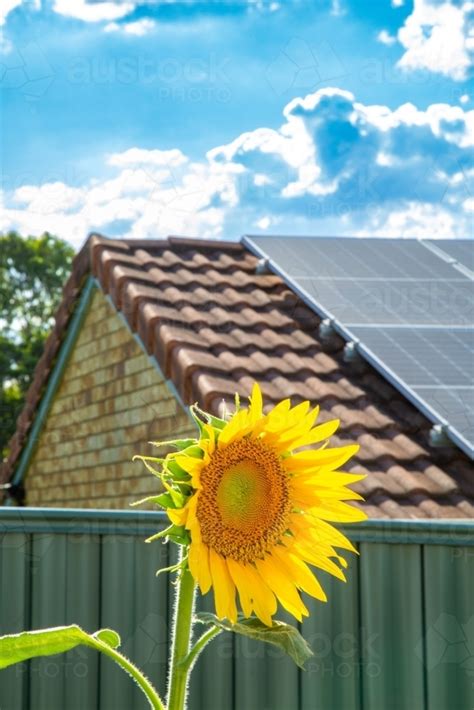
398, 636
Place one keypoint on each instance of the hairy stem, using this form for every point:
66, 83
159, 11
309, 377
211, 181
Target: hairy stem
141, 680
182, 628
200, 644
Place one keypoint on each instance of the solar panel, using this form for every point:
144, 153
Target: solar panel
436, 356
406, 305
394, 301
462, 250
347, 257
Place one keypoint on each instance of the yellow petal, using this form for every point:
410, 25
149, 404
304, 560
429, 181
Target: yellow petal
319, 532
238, 426
328, 478
224, 588
300, 573
282, 587
319, 433
193, 559
178, 516
321, 458
256, 404
191, 465
263, 600
314, 557
240, 580
192, 523
210, 442
276, 419
337, 511
205, 578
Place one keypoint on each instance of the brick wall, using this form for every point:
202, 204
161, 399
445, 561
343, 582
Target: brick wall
110, 403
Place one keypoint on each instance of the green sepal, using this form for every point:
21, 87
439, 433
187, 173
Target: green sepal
198, 421
178, 498
177, 473
161, 500
215, 422
193, 451
280, 634
180, 444
146, 460
176, 533
173, 568
170, 499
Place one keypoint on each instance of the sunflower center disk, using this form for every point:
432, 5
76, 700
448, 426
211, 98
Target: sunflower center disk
241, 495
243, 506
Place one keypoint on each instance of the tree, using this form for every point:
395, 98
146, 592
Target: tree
32, 273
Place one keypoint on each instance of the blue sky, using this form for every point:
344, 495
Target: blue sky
216, 119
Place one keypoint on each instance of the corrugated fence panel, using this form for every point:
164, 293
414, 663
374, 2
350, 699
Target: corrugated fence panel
117, 692
265, 678
391, 626
398, 636
82, 608
449, 634
150, 648
15, 566
48, 608
211, 684
332, 678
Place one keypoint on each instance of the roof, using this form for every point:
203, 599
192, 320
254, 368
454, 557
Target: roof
215, 324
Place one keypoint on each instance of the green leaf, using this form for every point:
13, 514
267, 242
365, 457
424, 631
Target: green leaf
48, 642
280, 634
108, 636
16, 648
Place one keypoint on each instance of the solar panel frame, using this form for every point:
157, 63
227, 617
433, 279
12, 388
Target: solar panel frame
410, 257
461, 250
349, 335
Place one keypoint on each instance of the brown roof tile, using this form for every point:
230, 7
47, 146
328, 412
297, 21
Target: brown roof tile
214, 326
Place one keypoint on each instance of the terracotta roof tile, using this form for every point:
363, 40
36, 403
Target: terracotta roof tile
214, 325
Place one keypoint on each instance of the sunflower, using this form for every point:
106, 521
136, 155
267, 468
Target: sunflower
255, 506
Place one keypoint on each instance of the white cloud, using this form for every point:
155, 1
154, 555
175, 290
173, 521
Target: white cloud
335, 165
412, 220
397, 3
386, 38
138, 28
468, 205
337, 8
49, 197
6, 7
464, 99
140, 156
93, 11
437, 37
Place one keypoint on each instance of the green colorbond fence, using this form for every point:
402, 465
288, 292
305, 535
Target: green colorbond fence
398, 636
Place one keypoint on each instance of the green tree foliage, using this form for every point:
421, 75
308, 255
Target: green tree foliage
32, 273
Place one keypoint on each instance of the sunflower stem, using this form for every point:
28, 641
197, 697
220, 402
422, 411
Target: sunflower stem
182, 631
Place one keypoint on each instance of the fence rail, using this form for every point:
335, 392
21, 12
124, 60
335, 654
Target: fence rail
398, 636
